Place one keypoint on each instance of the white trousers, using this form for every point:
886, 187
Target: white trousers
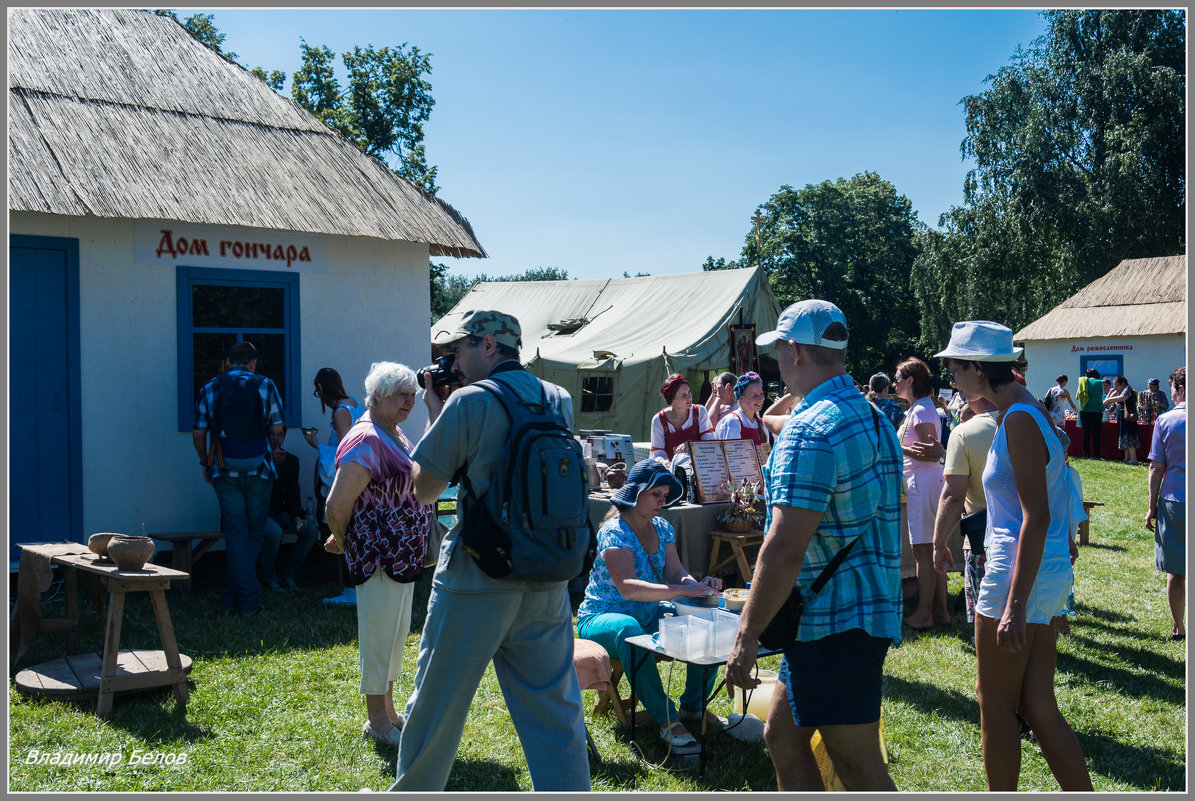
383, 620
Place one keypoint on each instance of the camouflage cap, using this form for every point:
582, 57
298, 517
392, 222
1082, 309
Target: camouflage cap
478, 323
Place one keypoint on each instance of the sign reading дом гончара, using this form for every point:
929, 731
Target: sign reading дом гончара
174, 243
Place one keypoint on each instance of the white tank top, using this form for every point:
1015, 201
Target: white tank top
1004, 506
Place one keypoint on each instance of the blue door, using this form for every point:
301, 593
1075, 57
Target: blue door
45, 475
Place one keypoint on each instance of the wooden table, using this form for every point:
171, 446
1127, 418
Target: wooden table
114, 670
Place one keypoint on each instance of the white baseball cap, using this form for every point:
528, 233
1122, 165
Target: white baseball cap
805, 323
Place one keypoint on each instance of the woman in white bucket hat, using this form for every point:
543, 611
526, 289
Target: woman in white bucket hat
1028, 572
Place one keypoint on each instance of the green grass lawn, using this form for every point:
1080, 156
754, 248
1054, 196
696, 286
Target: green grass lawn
275, 707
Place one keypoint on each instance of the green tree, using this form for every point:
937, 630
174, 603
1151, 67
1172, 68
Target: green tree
851, 242
383, 108
720, 264
202, 28
1079, 148
275, 79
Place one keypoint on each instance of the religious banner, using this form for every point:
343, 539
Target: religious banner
742, 349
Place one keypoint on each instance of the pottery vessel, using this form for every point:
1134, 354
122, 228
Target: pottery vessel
616, 476
98, 543
130, 553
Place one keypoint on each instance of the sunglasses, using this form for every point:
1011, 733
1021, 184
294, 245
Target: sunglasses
949, 374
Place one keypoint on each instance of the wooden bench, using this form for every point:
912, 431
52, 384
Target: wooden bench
1085, 527
737, 544
186, 552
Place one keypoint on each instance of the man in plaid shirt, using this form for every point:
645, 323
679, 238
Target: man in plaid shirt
240, 467
833, 477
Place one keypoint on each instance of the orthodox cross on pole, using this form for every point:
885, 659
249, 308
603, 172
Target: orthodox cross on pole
757, 218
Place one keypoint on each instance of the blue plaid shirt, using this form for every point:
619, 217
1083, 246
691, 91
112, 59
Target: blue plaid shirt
271, 404
837, 455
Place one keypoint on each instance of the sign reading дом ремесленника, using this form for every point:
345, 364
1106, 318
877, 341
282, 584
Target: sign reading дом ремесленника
1106, 347
175, 243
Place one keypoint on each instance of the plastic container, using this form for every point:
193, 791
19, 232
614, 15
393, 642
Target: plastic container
761, 696
723, 627
686, 636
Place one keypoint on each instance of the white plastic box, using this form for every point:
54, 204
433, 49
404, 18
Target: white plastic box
723, 627
686, 636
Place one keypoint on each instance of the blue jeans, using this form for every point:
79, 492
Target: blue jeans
244, 506
276, 525
610, 630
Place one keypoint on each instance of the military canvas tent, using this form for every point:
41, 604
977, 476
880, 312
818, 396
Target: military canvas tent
612, 342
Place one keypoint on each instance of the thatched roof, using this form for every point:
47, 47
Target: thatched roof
1138, 297
122, 114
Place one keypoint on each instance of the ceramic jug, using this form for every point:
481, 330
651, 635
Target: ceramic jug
616, 476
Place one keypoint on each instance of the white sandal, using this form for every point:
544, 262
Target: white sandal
682, 744
389, 737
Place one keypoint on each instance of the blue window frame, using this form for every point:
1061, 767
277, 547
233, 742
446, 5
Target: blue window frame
217, 308
1107, 365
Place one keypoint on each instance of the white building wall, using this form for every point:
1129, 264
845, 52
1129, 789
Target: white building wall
1144, 357
373, 304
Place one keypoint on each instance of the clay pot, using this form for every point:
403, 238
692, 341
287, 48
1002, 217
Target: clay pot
98, 543
616, 476
130, 553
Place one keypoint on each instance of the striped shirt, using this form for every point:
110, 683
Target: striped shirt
271, 404
836, 456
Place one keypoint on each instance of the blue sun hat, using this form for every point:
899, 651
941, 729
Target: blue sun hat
645, 475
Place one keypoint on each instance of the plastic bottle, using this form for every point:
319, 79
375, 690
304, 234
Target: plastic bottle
1069, 609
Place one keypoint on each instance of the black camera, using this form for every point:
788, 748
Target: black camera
441, 372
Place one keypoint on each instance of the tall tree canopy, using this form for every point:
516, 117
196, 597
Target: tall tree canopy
1079, 148
383, 109
850, 242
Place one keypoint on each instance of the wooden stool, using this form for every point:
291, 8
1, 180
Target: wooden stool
737, 543
1084, 527
621, 704
595, 671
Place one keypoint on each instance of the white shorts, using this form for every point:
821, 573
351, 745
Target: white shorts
1046, 599
923, 489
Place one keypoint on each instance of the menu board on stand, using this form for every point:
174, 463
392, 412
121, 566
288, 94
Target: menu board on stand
720, 462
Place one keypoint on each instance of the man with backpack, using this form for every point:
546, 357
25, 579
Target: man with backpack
479, 610
238, 410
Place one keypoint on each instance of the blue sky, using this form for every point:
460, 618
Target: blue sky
603, 141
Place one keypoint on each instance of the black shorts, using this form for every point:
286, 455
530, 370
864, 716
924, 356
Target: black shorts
835, 681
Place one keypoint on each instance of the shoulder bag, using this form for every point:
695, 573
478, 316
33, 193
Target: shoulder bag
782, 630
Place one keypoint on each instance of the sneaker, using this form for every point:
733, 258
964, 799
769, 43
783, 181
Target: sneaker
346, 598
290, 583
389, 737
275, 586
254, 613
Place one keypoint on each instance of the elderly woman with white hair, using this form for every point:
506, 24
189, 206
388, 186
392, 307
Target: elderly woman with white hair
382, 530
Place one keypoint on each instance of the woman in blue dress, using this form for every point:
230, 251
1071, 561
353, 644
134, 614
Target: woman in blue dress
637, 567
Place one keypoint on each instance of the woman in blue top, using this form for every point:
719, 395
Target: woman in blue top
637, 567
